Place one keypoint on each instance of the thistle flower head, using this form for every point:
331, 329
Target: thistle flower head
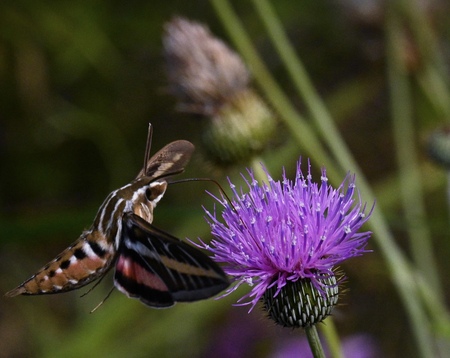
285, 238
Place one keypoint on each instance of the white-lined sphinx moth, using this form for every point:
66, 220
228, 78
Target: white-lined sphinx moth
150, 265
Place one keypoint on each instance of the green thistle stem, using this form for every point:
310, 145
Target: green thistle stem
409, 173
329, 331
441, 322
314, 342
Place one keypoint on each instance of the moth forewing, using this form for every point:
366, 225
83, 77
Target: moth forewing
170, 160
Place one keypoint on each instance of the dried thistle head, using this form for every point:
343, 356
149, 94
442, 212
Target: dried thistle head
204, 73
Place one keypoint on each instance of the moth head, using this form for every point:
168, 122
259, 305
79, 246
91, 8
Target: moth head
147, 198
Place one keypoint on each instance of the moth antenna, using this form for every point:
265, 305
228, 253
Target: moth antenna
103, 301
148, 146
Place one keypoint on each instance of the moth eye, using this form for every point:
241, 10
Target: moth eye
155, 191
151, 194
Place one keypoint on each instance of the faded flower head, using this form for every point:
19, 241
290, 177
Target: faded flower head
203, 72
285, 238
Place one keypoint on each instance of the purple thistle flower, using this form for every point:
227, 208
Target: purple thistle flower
283, 232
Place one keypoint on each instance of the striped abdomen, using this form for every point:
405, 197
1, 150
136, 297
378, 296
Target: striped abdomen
84, 261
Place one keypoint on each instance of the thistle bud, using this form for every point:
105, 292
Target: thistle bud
240, 130
299, 303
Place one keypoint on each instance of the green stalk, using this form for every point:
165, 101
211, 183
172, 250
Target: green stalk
409, 173
314, 342
400, 97
441, 321
328, 329
432, 72
419, 26
436, 91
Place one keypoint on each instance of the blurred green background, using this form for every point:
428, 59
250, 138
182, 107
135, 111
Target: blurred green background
80, 81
